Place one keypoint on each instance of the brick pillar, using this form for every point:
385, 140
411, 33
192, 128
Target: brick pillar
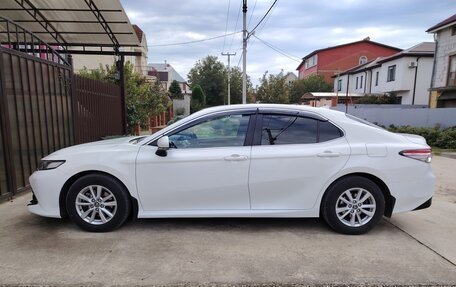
155, 121
138, 129
334, 102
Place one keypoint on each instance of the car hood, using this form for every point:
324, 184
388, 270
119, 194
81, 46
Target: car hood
97, 146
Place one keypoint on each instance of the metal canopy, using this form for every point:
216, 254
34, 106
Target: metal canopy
73, 25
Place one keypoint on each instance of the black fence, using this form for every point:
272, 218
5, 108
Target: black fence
37, 113
98, 109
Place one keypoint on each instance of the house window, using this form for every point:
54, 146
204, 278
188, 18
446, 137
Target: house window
312, 61
339, 85
361, 82
376, 78
362, 60
391, 73
453, 30
452, 72
356, 82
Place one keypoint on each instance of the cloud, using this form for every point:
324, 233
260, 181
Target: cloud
296, 27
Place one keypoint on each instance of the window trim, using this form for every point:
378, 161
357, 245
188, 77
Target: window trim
393, 78
248, 138
259, 126
449, 71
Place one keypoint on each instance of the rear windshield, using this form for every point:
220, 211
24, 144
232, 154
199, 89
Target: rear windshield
362, 121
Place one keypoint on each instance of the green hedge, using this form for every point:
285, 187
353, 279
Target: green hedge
436, 137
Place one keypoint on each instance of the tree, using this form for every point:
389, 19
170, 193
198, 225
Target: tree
210, 74
198, 101
312, 83
272, 89
175, 90
236, 87
142, 98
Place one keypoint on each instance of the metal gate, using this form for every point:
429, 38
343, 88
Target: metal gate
43, 107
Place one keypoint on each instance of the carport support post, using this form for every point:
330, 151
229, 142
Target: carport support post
122, 93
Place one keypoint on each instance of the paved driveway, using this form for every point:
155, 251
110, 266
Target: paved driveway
413, 248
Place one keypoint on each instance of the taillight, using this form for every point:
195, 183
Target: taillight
424, 155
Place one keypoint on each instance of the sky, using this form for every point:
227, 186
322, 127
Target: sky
293, 27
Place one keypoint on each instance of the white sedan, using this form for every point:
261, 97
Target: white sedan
241, 161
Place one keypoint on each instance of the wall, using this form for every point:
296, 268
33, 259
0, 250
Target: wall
423, 80
182, 103
400, 115
446, 44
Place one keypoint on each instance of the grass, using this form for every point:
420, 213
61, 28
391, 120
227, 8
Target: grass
438, 151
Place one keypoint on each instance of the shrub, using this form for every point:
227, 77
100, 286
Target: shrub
436, 137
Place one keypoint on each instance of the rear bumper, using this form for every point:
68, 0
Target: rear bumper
426, 204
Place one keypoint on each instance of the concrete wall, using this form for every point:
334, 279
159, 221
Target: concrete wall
400, 115
446, 45
182, 103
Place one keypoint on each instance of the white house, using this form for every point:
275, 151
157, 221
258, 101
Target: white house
290, 78
167, 74
443, 85
407, 74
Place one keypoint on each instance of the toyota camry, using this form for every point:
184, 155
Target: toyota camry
252, 160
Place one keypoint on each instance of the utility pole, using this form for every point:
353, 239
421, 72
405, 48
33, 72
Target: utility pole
244, 52
229, 74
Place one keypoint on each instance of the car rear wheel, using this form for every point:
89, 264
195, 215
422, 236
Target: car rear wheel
98, 203
353, 205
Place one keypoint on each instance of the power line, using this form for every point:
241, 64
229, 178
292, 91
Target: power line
235, 26
264, 16
278, 50
195, 41
250, 19
226, 24
261, 27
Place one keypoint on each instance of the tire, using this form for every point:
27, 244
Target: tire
353, 205
98, 203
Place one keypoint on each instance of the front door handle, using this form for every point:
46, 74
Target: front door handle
328, 153
236, 157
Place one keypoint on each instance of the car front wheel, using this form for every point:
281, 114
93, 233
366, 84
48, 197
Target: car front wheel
353, 205
98, 203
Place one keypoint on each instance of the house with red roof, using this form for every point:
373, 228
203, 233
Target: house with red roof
332, 60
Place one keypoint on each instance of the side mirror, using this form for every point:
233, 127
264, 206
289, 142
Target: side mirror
163, 146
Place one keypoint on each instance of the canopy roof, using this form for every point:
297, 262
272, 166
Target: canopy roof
72, 23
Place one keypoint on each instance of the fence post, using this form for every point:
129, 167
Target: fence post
5, 129
122, 93
74, 102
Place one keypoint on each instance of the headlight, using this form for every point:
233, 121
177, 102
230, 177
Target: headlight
49, 164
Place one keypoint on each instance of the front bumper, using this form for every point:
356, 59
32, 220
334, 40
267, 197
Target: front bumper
46, 187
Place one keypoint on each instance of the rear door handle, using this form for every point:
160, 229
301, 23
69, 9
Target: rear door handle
236, 157
328, 153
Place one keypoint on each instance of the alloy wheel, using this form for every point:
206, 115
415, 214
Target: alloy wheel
96, 204
355, 207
